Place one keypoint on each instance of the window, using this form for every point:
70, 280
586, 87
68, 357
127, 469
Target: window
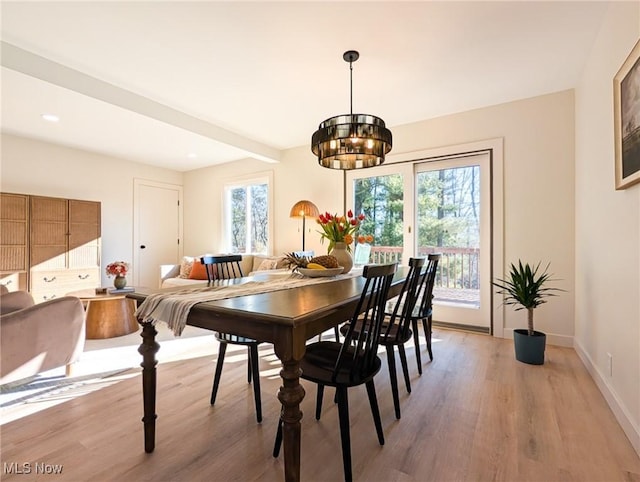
247, 215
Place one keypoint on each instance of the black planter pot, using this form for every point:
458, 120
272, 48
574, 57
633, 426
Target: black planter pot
529, 349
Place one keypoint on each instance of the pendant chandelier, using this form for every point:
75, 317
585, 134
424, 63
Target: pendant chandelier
351, 141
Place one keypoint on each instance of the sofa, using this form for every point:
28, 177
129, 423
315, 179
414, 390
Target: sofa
184, 274
35, 338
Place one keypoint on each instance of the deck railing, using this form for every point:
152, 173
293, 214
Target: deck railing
458, 267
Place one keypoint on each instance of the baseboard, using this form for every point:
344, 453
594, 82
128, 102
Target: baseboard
552, 339
619, 411
459, 326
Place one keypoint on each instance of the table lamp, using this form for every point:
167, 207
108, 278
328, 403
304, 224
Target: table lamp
304, 209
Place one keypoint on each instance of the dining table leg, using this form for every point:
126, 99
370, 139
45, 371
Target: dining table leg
148, 350
291, 394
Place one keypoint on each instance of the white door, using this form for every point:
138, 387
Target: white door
157, 233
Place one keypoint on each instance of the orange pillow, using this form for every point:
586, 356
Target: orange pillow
198, 271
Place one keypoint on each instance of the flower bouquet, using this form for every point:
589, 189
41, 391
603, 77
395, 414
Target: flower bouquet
341, 229
117, 268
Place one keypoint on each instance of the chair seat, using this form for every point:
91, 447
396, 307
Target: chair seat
385, 338
319, 362
235, 339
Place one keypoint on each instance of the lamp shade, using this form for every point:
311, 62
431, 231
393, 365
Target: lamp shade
351, 141
304, 209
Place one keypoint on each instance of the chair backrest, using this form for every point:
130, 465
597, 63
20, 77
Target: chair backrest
398, 322
359, 350
222, 267
425, 290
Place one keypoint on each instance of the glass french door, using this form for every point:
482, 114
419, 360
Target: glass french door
435, 206
453, 218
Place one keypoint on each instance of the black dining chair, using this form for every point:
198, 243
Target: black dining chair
423, 309
396, 328
353, 362
222, 268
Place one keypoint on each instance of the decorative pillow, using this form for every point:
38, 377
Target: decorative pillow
198, 271
268, 264
185, 267
259, 259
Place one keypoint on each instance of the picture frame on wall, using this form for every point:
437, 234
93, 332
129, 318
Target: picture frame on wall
626, 118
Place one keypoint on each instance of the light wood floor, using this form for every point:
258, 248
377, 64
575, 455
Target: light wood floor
475, 414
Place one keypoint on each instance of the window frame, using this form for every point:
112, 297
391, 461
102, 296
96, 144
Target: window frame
245, 181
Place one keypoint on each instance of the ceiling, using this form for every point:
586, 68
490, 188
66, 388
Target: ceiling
187, 85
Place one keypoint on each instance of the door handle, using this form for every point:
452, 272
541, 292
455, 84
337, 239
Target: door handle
142, 246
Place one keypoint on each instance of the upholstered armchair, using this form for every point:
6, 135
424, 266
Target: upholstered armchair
38, 337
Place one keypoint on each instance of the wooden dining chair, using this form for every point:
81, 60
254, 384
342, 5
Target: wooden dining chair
351, 363
396, 328
221, 268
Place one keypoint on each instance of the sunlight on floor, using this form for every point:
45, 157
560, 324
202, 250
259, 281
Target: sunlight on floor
103, 363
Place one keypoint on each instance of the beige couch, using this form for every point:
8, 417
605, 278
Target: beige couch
176, 275
36, 338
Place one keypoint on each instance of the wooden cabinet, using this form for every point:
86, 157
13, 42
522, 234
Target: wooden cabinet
50, 246
14, 241
64, 246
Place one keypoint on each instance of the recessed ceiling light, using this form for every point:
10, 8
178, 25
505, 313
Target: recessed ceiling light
192, 155
51, 117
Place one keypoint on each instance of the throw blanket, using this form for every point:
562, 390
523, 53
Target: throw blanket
173, 308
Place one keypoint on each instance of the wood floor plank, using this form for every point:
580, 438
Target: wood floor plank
476, 414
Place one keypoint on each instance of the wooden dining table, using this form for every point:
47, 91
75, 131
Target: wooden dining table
285, 318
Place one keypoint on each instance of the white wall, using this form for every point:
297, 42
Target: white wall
608, 230
40, 168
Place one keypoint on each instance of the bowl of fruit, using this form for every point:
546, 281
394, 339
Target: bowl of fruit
315, 267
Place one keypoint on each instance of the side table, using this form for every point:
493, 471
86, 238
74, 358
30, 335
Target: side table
107, 315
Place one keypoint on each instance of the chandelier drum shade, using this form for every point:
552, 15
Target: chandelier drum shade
351, 141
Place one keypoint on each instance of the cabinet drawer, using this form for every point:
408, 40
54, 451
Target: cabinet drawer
83, 278
46, 285
14, 281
